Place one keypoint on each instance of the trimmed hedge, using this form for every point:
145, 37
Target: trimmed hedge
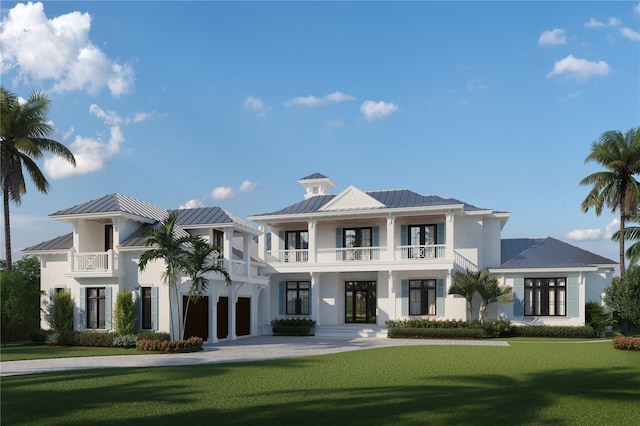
101, 339
438, 333
293, 327
583, 332
626, 343
427, 323
192, 344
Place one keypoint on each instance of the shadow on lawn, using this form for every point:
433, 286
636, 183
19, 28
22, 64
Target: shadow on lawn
474, 399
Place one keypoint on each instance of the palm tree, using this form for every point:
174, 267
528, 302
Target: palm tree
491, 291
631, 233
616, 187
23, 130
199, 263
464, 284
170, 248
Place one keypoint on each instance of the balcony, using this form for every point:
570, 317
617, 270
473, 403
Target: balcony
93, 264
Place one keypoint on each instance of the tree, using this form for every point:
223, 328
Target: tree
491, 292
623, 298
631, 233
124, 320
23, 131
170, 248
199, 263
616, 187
61, 313
464, 284
20, 298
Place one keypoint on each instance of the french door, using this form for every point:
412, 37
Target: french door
360, 302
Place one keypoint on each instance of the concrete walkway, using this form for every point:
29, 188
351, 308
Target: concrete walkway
241, 350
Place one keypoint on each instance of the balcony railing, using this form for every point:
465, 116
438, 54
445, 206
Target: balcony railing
430, 251
289, 256
93, 263
359, 254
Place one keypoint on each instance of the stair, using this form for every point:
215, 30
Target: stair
351, 331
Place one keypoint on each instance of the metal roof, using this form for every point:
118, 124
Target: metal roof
63, 242
525, 253
395, 198
113, 203
202, 216
314, 176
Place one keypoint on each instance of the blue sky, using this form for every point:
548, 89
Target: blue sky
228, 104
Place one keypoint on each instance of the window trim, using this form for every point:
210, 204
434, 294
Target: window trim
425, 288
100, 311
539, 306
146, 308
299, 299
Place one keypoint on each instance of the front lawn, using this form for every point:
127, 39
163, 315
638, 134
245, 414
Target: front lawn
18, 352
525, 384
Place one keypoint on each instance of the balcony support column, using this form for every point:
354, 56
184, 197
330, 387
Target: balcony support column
315, 297
448, 251
391, 238
262, 242
246, 253
312, 241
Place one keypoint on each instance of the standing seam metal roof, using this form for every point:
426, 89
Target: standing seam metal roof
116, 203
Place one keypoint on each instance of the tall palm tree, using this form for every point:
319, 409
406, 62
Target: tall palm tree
464, 284
616, 187
23, 130
631, 233
170, 248
199, 263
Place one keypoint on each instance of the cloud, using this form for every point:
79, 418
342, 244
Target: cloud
552, 38
91, 154
222, 193
334, 124
191, 204
248, 186
584, 235
374, 110
636, 8
630, 34
253, 104
59, 50
579, 69
614, 22
313, 101
594, 23
611, 228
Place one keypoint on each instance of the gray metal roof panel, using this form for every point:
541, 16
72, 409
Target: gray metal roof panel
113, 203
314, 176
202, 216
546, 253
63, 242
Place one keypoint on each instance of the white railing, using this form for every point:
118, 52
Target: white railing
430, 251
103, 262
352, 254
289, 256
238, 267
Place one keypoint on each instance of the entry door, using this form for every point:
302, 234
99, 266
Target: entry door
360, 302
223, 317
197, 323
243, 316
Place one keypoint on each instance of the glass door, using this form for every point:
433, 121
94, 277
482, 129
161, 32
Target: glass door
360, 302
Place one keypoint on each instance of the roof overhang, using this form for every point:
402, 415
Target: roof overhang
100, 215
566, 269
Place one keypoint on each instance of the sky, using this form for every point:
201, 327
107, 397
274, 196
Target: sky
188, 104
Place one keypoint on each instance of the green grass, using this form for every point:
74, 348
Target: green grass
526, 384
18, 352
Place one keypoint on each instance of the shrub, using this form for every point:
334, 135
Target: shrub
499, 328
596, 317
152, 335
19, 304
124, 318
626, 343
125, 341
553, 331
61, 312
63, 338
441, 333
293, 327
192, 344
94, 338
38, 336
427, 323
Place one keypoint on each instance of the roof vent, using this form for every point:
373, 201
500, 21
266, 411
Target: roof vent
316, 184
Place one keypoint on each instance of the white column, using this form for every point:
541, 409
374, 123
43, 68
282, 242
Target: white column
315, 298
262, 243
213, 321
227, 250
233, 299
449, 236
312, 241
391, 238
246, 252
393, 298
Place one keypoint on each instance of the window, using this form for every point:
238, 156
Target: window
419, 237
354, 239
422, 297
298, 243
95, 307
108, 237
146, 308
218, 242
298, 297
545, 296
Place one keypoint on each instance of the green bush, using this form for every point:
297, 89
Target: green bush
626, 343
124, 315
596, 317
192, 344
152, 335
438, 333
38, 336
61, 312
427, 323
63, 338
19, 305
125, 341
554, 331
499, 328
292, 327
94, 338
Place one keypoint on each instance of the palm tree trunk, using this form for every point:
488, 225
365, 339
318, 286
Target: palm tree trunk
7, 228
622, 222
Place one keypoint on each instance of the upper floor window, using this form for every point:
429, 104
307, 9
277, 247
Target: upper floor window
355, 238
422, 297
545, 296
420, 238
218, 242
298, 241
108, 237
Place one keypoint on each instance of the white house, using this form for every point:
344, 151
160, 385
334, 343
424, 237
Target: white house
349, 260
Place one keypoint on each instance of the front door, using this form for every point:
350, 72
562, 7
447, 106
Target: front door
197, 323
360, 301
223, 317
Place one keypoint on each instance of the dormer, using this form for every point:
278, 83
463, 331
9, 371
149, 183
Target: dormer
316, 184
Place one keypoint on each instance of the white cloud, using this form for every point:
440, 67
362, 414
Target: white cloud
611, 228
313, 101
59, 50
636, 8
594, 23
192, 204
139, 117
579, 69
614, 22
552, 37
630, 34
91, 154
584, 235
339, 97
374, 110
248, 186
222, 193
253, 104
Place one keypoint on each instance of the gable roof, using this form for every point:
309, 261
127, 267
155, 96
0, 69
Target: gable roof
395, 198
115, 203
526, 253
